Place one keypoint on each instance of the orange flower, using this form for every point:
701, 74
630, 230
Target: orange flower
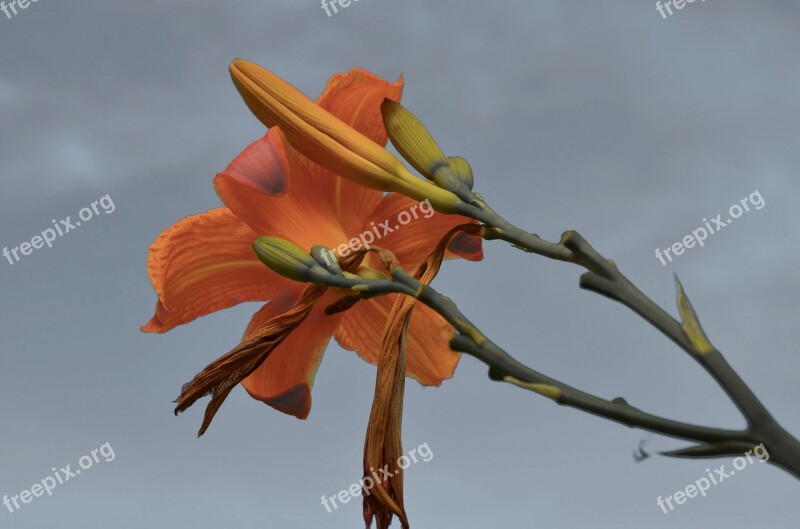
206, 262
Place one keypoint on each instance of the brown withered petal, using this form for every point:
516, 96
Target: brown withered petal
223, 374
383, 444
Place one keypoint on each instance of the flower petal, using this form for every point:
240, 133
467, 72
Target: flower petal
430, 360
416, 229
356, 97
205, 263
383, 444
285, 378
266, 186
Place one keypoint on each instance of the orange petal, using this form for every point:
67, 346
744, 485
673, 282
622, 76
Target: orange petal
356, 97
270, 188
430, 360
205, 263
285, 378
417, 229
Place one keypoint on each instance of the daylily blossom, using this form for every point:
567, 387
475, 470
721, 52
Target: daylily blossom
205, 263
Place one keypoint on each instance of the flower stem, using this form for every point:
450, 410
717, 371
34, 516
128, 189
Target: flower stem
603, 277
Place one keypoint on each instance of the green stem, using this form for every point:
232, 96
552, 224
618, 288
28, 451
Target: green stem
604, 277
502, 365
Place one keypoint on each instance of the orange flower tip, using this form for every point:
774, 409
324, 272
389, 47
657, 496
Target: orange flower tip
295, 401
239, 66
288, 259
467, 246
242, 70
240, 75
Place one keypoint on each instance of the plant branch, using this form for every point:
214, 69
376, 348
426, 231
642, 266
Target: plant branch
503, 367
603, 277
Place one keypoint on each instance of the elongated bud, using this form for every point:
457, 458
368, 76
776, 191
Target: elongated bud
287, 259
411, 139
414, 143
328, 141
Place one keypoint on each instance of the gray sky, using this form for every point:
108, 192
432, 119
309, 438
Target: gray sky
597, 116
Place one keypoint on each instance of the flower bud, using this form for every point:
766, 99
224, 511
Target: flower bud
328, 141
414, 143
286, 258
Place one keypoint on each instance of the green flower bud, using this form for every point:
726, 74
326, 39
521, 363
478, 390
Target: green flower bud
286, 258
417, 146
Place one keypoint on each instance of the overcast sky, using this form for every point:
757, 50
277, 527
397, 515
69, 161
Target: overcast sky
596, 116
